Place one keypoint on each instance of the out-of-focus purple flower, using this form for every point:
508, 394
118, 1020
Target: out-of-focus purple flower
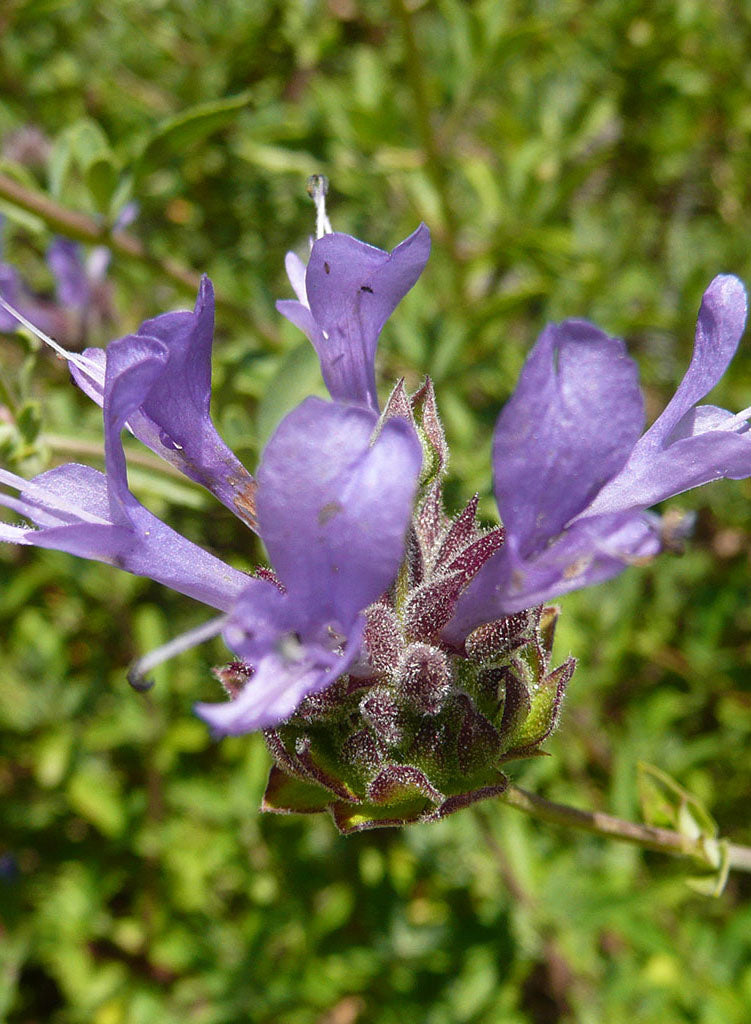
573, 475
81, 288
333, 506
344, 297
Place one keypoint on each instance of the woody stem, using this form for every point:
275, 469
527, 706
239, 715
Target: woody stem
649, 837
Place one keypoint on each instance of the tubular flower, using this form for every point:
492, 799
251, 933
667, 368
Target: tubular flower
334, 504
344, 297
573, 472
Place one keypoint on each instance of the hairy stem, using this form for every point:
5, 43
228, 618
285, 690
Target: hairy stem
663, 840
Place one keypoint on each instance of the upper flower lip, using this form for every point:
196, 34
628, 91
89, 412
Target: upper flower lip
344, 297
173, 417
573, 472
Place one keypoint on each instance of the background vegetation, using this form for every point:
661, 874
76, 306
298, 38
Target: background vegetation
571, 159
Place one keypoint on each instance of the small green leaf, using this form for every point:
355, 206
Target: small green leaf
29, 421
665, 802
713, 884
189, 126
102, 180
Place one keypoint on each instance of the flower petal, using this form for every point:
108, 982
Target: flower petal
173, 418
351, 289
653, 476
287, 665
333, 509
588, 552
72, 506
569, 426
722, 318
296, 273
65, 262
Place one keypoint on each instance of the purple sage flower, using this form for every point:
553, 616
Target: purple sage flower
344, 297
334, 496
573, 473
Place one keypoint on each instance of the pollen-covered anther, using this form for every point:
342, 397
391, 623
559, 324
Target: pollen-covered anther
424, 679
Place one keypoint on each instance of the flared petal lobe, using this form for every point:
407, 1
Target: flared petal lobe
688, 445
720, 325
289, 665
174, 418
350, 290
568, 428
72, 509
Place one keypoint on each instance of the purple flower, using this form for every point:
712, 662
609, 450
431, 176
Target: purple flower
173, 418
74, 293
574, 476
345, 296
334, 499
80, 287
333, 511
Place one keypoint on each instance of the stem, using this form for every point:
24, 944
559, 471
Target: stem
93, 450
663, 840
83, 228
435, 166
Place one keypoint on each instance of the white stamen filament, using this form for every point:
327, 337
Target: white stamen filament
192, 638
318, 187
87, 366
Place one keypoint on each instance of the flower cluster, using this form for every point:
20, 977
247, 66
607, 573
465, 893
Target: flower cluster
395, 657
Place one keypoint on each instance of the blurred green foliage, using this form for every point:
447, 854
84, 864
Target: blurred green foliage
571, 159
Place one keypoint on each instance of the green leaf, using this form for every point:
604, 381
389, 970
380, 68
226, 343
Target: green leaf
189, 126
665, 802
102, 181
713, 884
298, 376
29, 421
